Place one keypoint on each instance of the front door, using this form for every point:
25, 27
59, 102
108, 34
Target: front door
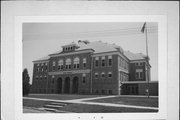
75, 85
67, 85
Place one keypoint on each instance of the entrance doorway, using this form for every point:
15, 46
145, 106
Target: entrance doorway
67, 85
59, 85
75, 85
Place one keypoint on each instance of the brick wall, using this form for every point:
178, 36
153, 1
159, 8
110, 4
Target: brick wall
103, 85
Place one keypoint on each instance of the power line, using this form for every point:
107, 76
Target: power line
127, 31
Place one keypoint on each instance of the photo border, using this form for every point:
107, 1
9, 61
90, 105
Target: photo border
162, 65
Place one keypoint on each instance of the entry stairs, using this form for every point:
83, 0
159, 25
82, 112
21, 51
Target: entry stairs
54, 107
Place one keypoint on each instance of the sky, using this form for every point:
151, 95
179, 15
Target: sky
41, 39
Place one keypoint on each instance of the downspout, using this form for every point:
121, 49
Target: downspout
47, 77
91, 73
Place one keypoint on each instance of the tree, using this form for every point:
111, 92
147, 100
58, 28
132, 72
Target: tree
26, 85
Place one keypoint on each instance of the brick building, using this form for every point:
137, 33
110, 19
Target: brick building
93, 68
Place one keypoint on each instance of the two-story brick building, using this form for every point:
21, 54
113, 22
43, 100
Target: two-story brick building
93, 68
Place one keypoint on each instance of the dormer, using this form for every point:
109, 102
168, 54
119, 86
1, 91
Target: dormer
70, 47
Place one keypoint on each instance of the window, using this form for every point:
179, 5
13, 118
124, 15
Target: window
137, 64
110, 91
41, 77
45, 77
45, 66
60, 64
41, 66
84, 62
52, 80
102, 74
37, 67
109, 60
37, 77
76, 63
97, 61
52, 90
96, 75
68, 64
102, 61
96, 92
141, 64
126, 66
103, 91
139, 73
109, 74
84, 78
54, 63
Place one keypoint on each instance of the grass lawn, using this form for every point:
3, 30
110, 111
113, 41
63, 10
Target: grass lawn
61, 96
139, 101
34, 103
83, 108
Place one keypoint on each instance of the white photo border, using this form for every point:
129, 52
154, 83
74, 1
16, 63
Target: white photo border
162, 66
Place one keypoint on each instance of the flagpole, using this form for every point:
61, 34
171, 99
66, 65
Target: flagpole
147, 60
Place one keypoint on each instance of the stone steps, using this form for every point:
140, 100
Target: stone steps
54, 106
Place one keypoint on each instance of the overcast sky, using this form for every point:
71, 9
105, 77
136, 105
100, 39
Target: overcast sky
41, 39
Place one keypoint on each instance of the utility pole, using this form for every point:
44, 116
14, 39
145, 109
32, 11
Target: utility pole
144, 28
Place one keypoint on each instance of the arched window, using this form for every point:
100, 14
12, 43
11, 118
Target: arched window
53, 79
37, 77
96, 75
84, 62
102, 74
76, 62
103, 61
54, 63
68, 63
96, 61
37, 68
42, 66
84, 78
60, 64
109, 60
109, 74
46, 64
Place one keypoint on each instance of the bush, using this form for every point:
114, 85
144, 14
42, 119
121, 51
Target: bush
26, 85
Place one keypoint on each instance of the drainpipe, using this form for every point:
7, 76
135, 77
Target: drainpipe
47, 77
91, 67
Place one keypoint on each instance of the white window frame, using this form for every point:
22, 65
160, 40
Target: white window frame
102, 74
84, 62
97, 75
97, 59
109, 57
68, 63
139, 71
109, 73
103, 58
84, 78
60, 63
54, 65
76, 62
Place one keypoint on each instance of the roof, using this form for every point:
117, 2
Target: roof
101, 47
71, 44
97, 46
42, 59
134, 56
